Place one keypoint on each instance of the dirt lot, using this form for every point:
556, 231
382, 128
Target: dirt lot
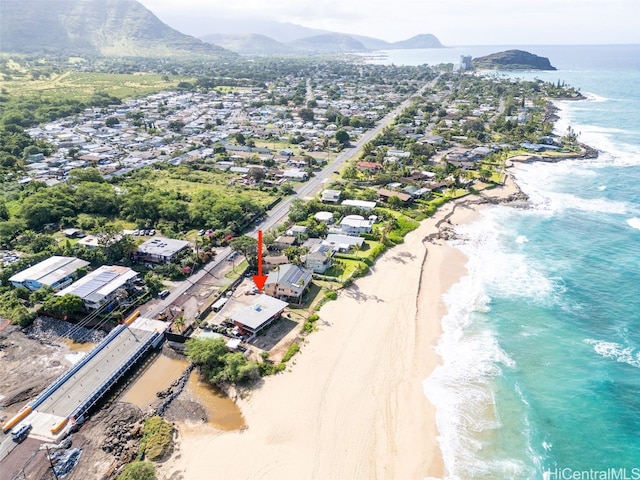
30, 360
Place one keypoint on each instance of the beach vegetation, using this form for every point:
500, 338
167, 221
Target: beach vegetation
156, 439
138, 470
218, 365
331, 295
291, 351
310, 323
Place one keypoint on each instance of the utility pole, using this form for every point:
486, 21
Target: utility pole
53, 470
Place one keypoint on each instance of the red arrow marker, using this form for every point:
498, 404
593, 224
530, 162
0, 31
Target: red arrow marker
260, 279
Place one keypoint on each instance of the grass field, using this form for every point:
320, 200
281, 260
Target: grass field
183, 181
82, 85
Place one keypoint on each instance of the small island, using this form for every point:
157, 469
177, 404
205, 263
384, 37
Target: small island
512, 60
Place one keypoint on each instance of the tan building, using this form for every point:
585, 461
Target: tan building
288, 282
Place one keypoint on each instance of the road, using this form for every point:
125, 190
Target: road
278, 213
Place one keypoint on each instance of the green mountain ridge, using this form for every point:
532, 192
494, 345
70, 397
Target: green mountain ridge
92, 27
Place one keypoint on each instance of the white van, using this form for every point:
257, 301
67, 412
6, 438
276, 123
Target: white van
164, 294
21, 432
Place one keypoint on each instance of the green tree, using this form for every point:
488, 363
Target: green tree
342, 136
79, 175
207, 354
246, 245
240, 138
153, 282
112, 121
47, 206
63, 306
395, 202
306, 114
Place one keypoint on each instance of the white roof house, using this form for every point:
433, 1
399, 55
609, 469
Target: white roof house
331, 196
259, 314
160, 250
100, 286
356, 224
325, 217
56, 272
364, 205
342, 243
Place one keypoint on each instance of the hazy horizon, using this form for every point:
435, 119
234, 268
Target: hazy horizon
453, 22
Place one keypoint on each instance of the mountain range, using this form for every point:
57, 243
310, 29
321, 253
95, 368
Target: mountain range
318, 42
93, 27
126, 28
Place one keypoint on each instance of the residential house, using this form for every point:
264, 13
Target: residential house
356, 224
260, 314
330, 196
371, 167
284, 241
288, 282
319, 259
297, 231
324, 217
385, 194
361, 204
342, 243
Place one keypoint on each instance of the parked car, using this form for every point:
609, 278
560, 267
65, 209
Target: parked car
164, 294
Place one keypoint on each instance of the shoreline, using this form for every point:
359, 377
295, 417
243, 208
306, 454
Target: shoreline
352, 403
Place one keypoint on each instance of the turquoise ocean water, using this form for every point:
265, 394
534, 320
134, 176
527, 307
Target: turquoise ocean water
541, 346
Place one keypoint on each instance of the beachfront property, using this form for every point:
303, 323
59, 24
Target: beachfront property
357, 224
56, 272
100, 287
361, 204
260, 314
342, 243
288, 281
319, 259
385, 194
160, 250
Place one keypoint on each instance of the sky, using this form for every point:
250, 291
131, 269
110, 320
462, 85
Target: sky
454, 22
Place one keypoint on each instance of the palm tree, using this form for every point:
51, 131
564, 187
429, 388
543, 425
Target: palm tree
179, 323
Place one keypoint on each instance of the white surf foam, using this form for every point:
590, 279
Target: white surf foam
540, 180
605, 139
634, 223
462, 387
616, 351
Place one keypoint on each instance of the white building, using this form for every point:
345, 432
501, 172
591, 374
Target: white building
56, 272
100, 286
356, 224
364, 205
160, 250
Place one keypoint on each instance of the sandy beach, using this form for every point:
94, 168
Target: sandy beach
351, 405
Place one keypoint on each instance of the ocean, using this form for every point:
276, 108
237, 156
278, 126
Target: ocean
540, 374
